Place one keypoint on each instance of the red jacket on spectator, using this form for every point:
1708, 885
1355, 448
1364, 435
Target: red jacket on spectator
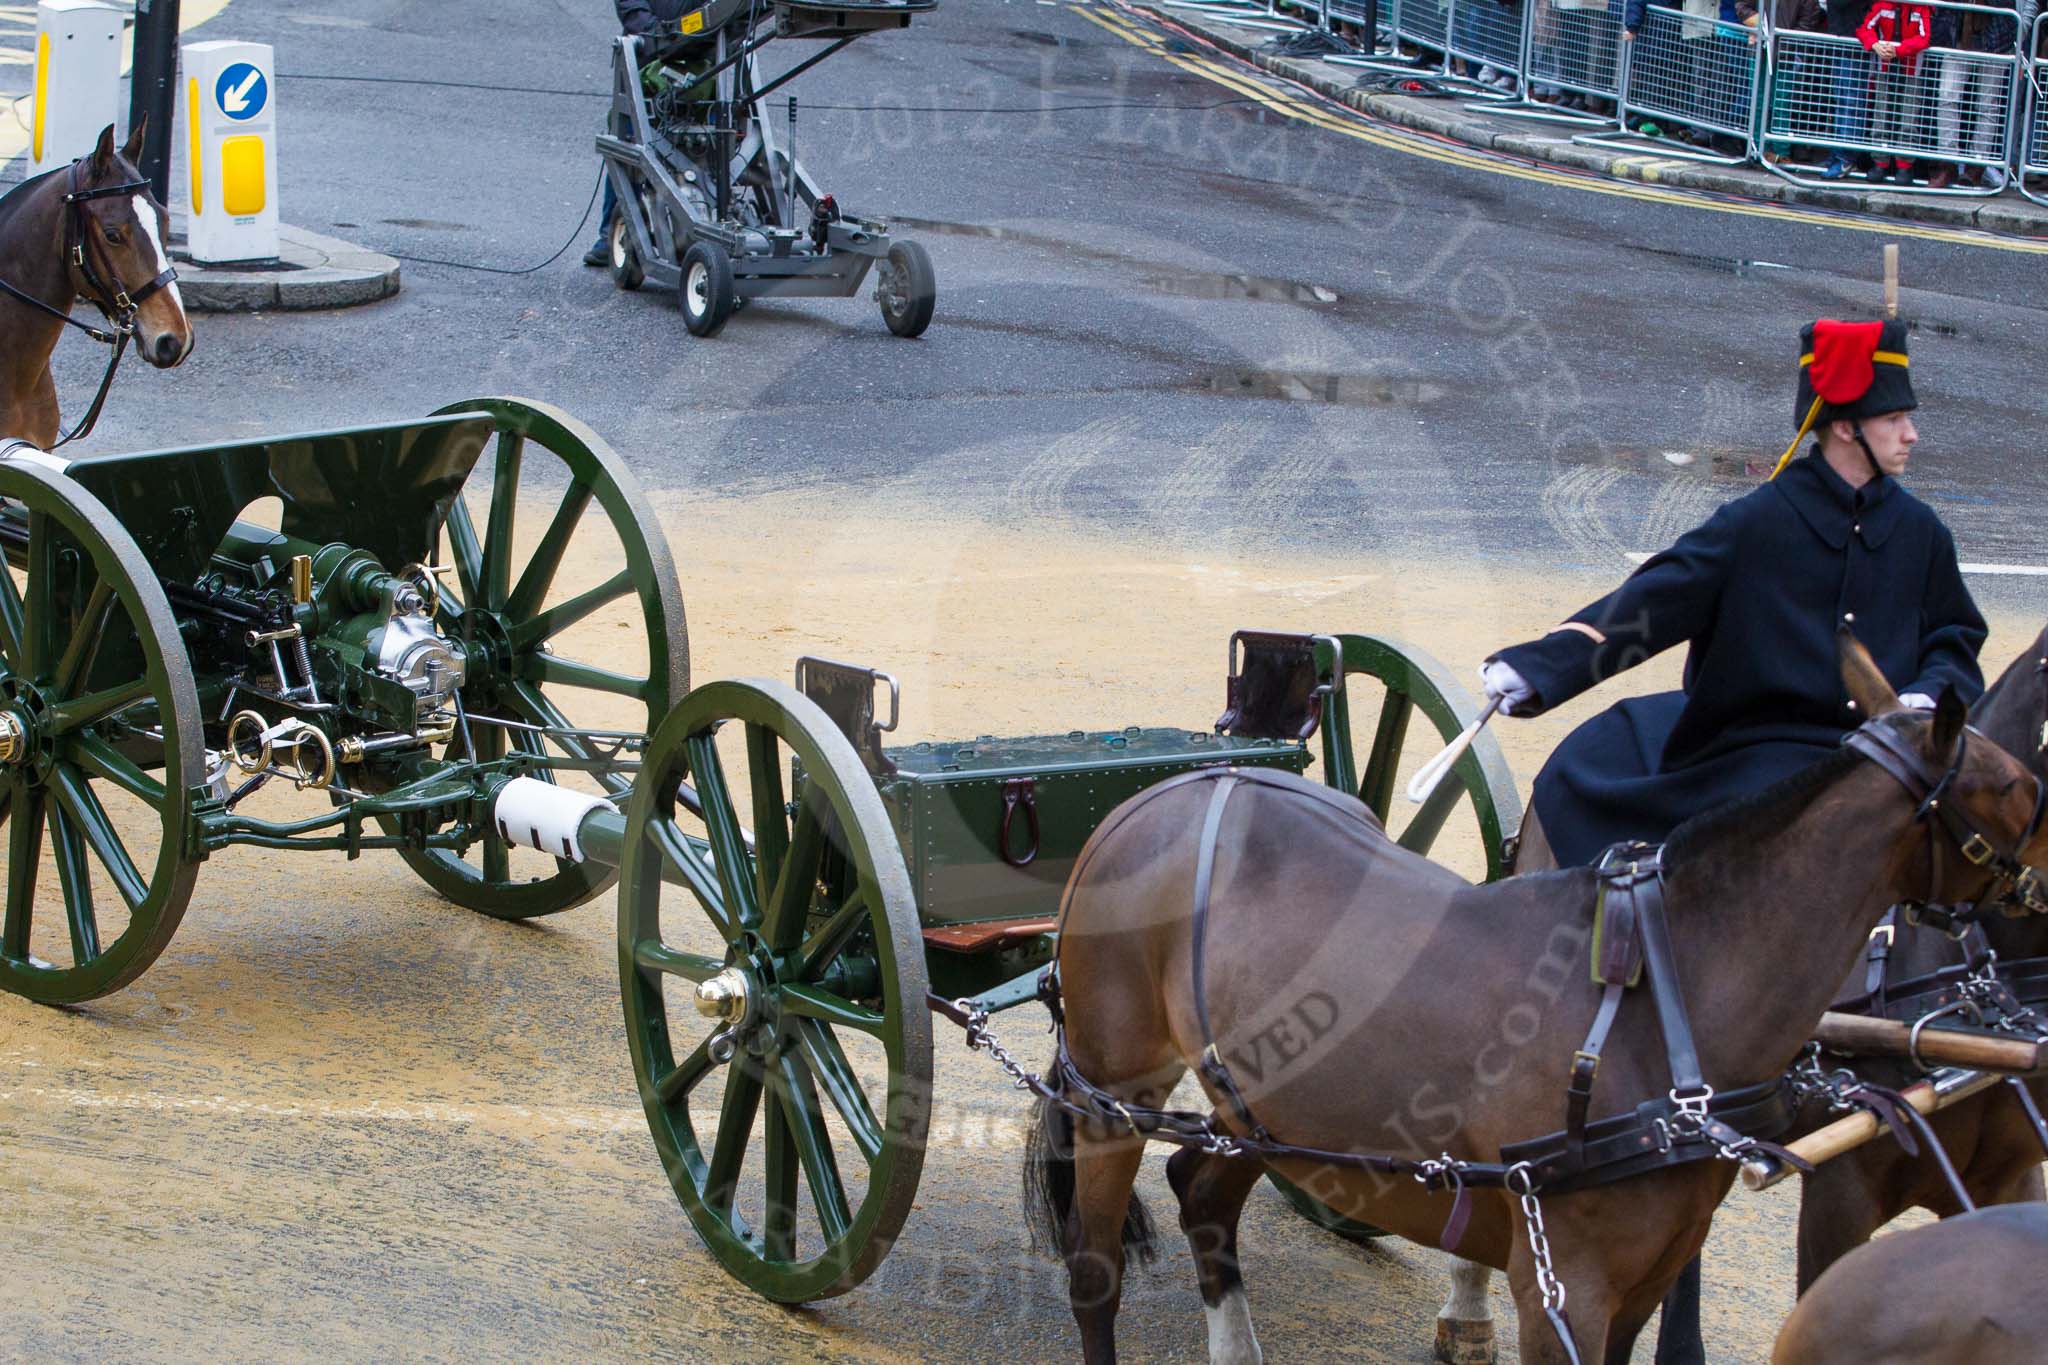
1895, 21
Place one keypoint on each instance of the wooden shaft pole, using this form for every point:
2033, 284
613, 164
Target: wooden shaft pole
1852, 1131
1861, 1036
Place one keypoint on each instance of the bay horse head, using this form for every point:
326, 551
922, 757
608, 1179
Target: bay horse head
117, 257
1969, 793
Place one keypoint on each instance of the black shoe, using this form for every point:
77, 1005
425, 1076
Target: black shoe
600, 254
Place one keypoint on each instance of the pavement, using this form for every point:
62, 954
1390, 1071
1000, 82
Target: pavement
312, 271
1466, 122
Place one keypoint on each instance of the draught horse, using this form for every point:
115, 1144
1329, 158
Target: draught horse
91, 231
1965, 1291
1366, 999
1988, 1136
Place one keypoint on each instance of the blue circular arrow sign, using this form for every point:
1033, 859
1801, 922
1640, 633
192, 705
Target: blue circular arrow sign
241, 92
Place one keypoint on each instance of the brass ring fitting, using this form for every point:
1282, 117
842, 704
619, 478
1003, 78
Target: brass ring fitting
252, 728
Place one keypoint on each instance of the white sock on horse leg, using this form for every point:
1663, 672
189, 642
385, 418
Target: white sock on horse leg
1231, 1340
1471, 1299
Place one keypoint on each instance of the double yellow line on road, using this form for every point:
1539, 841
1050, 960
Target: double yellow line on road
1338, 118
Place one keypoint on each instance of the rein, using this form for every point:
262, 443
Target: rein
83, 252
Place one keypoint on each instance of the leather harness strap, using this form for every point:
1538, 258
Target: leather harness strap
1689, 1124
1211, 1065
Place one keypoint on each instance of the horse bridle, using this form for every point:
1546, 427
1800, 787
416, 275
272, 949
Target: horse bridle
116, 304
2016, 888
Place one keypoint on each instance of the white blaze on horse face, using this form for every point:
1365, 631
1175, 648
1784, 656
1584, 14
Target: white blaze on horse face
145, 214
1231, 1341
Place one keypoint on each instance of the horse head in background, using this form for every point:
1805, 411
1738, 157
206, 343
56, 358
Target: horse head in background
91, 231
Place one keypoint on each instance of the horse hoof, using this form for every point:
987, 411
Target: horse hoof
1464, 1342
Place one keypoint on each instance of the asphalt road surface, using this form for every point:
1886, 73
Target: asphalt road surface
1186, 348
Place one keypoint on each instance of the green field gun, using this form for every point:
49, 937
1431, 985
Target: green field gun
461, 638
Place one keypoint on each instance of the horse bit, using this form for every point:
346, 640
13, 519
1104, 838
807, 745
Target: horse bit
115, 303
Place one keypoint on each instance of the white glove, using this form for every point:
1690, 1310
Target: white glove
1501, 681
1919, 701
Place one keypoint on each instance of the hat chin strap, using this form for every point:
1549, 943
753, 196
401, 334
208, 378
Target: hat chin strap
1875, 471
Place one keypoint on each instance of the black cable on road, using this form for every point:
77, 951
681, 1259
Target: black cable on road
574, 233
835, 108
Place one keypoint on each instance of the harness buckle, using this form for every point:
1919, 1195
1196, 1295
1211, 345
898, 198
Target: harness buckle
2029, 890
1693, 1104
1888, 932
1978, 849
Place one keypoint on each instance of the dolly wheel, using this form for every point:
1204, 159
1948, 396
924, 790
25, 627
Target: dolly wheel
906, 289
706, 290
626, 271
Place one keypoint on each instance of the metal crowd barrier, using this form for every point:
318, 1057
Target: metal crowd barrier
1762, 89
1943, 105
1238, 13
1489, 32
1575, 46
1690, 70
2034, 128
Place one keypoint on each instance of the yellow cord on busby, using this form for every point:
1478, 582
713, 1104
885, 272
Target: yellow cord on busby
1793, 449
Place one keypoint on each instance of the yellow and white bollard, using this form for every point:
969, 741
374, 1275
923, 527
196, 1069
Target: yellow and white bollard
231, 151
78, 79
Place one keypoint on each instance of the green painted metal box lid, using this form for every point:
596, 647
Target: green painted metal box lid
990, 827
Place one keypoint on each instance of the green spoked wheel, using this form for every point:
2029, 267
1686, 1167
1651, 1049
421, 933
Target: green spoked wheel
1402, 681
101, 746
1398, 681
558, 561
792, 1119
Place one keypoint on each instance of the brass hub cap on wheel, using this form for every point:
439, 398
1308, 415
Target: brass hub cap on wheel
25, 739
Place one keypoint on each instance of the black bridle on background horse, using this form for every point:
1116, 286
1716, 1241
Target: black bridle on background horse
116, 304
1996, 994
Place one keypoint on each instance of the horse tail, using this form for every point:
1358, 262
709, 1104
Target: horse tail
1049, 1191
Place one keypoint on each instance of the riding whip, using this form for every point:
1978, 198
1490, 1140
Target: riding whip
1431, 773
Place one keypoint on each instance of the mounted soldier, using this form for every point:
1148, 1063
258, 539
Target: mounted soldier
1832, 541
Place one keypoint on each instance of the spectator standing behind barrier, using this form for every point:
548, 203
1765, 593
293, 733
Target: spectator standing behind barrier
1896, 33
1795, 90
635, 17
1853, 72
1585, 49
1972, 32
1711, 50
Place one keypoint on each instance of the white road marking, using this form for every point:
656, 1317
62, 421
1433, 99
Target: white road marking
2016, 570
227, 1106
2006, 570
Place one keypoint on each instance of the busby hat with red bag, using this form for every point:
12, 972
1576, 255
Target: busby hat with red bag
1849, 371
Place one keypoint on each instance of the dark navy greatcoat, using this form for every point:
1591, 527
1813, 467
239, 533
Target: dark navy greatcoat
1758, 591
